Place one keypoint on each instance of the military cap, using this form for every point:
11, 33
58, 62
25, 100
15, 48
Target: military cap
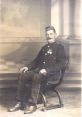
50, 28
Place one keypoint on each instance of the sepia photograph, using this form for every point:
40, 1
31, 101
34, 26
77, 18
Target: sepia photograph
40, 58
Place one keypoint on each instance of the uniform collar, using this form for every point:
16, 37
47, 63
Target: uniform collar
52, 44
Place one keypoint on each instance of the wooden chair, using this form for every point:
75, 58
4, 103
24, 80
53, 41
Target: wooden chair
53, 86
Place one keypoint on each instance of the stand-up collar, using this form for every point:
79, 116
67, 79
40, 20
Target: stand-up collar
52, 44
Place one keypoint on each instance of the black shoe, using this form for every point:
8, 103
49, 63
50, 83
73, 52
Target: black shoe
15, 108
30, 109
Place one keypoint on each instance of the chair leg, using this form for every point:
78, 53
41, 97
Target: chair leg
51, 106
59, 97
44, 101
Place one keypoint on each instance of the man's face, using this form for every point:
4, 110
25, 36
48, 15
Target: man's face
50, 36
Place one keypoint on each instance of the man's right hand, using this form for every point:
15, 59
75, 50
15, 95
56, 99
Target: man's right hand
24, 69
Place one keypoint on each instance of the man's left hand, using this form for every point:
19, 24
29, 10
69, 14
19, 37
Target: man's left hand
43, 71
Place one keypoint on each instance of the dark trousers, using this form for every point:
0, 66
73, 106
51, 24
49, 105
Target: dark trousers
29, 85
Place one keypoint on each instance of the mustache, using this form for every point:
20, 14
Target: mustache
49, 38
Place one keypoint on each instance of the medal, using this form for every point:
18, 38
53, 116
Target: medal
49, 51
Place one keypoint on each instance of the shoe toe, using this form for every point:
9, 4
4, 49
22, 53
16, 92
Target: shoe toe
15, 108
30, 109
12, 109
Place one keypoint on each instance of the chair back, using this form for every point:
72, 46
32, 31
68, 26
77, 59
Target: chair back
59, 78
61, 75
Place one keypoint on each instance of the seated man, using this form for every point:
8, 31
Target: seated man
50, 60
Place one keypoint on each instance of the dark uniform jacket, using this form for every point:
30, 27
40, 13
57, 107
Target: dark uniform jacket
51, 57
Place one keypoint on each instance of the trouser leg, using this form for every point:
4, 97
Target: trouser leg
35, 88
38, 84
32, 91
22, 90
